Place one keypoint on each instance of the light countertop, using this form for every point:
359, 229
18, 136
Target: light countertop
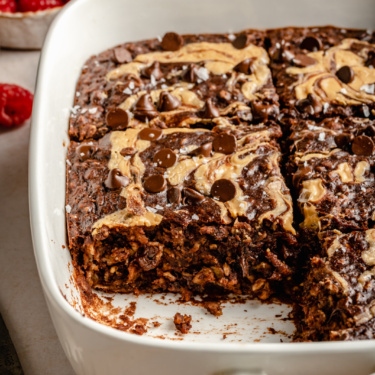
22, 303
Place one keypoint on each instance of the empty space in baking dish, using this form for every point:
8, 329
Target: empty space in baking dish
242, 320
80, 31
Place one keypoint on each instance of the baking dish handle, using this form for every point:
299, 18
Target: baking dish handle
241, 372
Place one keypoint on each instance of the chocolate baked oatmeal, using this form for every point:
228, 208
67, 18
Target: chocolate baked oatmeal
332, 172
182, 209
243, 164
173, 81
322, 72
338, 300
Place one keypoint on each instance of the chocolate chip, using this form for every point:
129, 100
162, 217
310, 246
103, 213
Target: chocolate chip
174, 195
276, 53
363, 145
150, 134
345, 74
116, 179
244, 66
128, 151
190, 74
342, 140
192, 195
117, 118
224, 143
223, 190
303, 60
204, 150
210, 110
267, 42
122, 55
85, 151
172, 42
225, 95
370, 130
144, 108
165, 158
311, 43
370, 61
241, 41
309, 105
152, 70
150, 256
155, 183
261, 111
168, 102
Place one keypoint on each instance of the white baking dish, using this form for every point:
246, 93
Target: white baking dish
238, 342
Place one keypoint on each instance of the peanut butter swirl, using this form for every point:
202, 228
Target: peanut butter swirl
322, 80
315, 191
203, 170
208, 60
367, 256
218, 58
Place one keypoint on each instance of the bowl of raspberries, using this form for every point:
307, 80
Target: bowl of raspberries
24, 23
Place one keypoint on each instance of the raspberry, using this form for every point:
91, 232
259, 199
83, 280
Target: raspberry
35, 5
8, 6
15, 105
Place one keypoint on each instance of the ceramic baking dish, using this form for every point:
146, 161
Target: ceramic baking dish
249, 338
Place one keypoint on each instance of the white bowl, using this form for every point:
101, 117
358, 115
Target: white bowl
25, 30
87, 27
